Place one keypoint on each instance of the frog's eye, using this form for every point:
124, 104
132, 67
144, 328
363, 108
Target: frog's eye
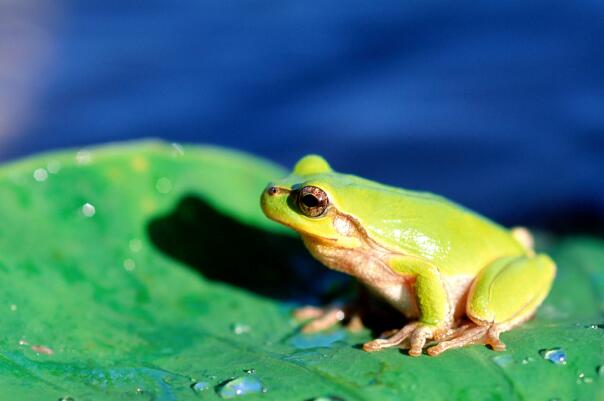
312, 201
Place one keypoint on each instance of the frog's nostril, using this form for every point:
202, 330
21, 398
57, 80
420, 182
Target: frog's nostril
272, 190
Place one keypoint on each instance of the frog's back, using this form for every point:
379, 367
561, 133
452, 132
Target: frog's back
451, 236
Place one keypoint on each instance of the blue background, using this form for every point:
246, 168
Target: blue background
499, 106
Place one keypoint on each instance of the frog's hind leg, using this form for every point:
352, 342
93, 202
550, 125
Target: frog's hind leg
504, 294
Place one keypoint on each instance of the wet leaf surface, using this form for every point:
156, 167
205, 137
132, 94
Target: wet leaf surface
147, 271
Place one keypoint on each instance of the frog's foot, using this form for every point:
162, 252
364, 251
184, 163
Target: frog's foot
413, 336
467, 335
324, 318
524, 236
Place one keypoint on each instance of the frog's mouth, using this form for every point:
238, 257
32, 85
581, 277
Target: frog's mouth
317, 238
314, 237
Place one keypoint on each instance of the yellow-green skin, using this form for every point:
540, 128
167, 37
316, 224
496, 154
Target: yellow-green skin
454, 261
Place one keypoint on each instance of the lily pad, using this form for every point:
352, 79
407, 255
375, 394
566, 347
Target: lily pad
147, 271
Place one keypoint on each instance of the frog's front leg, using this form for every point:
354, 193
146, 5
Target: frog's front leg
319, 318
435, 312
504, 294
322, 318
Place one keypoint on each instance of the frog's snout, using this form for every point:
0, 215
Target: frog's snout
272, 190
272, 199
268, 199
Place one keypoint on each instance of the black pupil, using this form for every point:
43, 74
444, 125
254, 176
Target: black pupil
310, 201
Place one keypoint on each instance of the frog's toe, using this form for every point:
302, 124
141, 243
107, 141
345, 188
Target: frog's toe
322, 318
469, 335
418, 339
308, 312
492, 339
462, 337
375, 345
319, 318
395, 339
355, 324
524, 236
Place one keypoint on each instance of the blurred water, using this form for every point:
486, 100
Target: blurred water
496, 105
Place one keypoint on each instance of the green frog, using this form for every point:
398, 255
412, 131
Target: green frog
458, 277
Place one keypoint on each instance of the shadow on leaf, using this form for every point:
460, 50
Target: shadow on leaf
223, 249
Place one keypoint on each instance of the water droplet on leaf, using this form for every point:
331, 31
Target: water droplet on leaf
163, 185
199, 386
240, 328
177, 149
88, 209
66, 399
240, 386
83, 157
584, 379
327, 398
129, 264
503, 360
40, 174
135, 245
554, 355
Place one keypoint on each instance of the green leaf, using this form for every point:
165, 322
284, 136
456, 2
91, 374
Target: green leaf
131, 272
